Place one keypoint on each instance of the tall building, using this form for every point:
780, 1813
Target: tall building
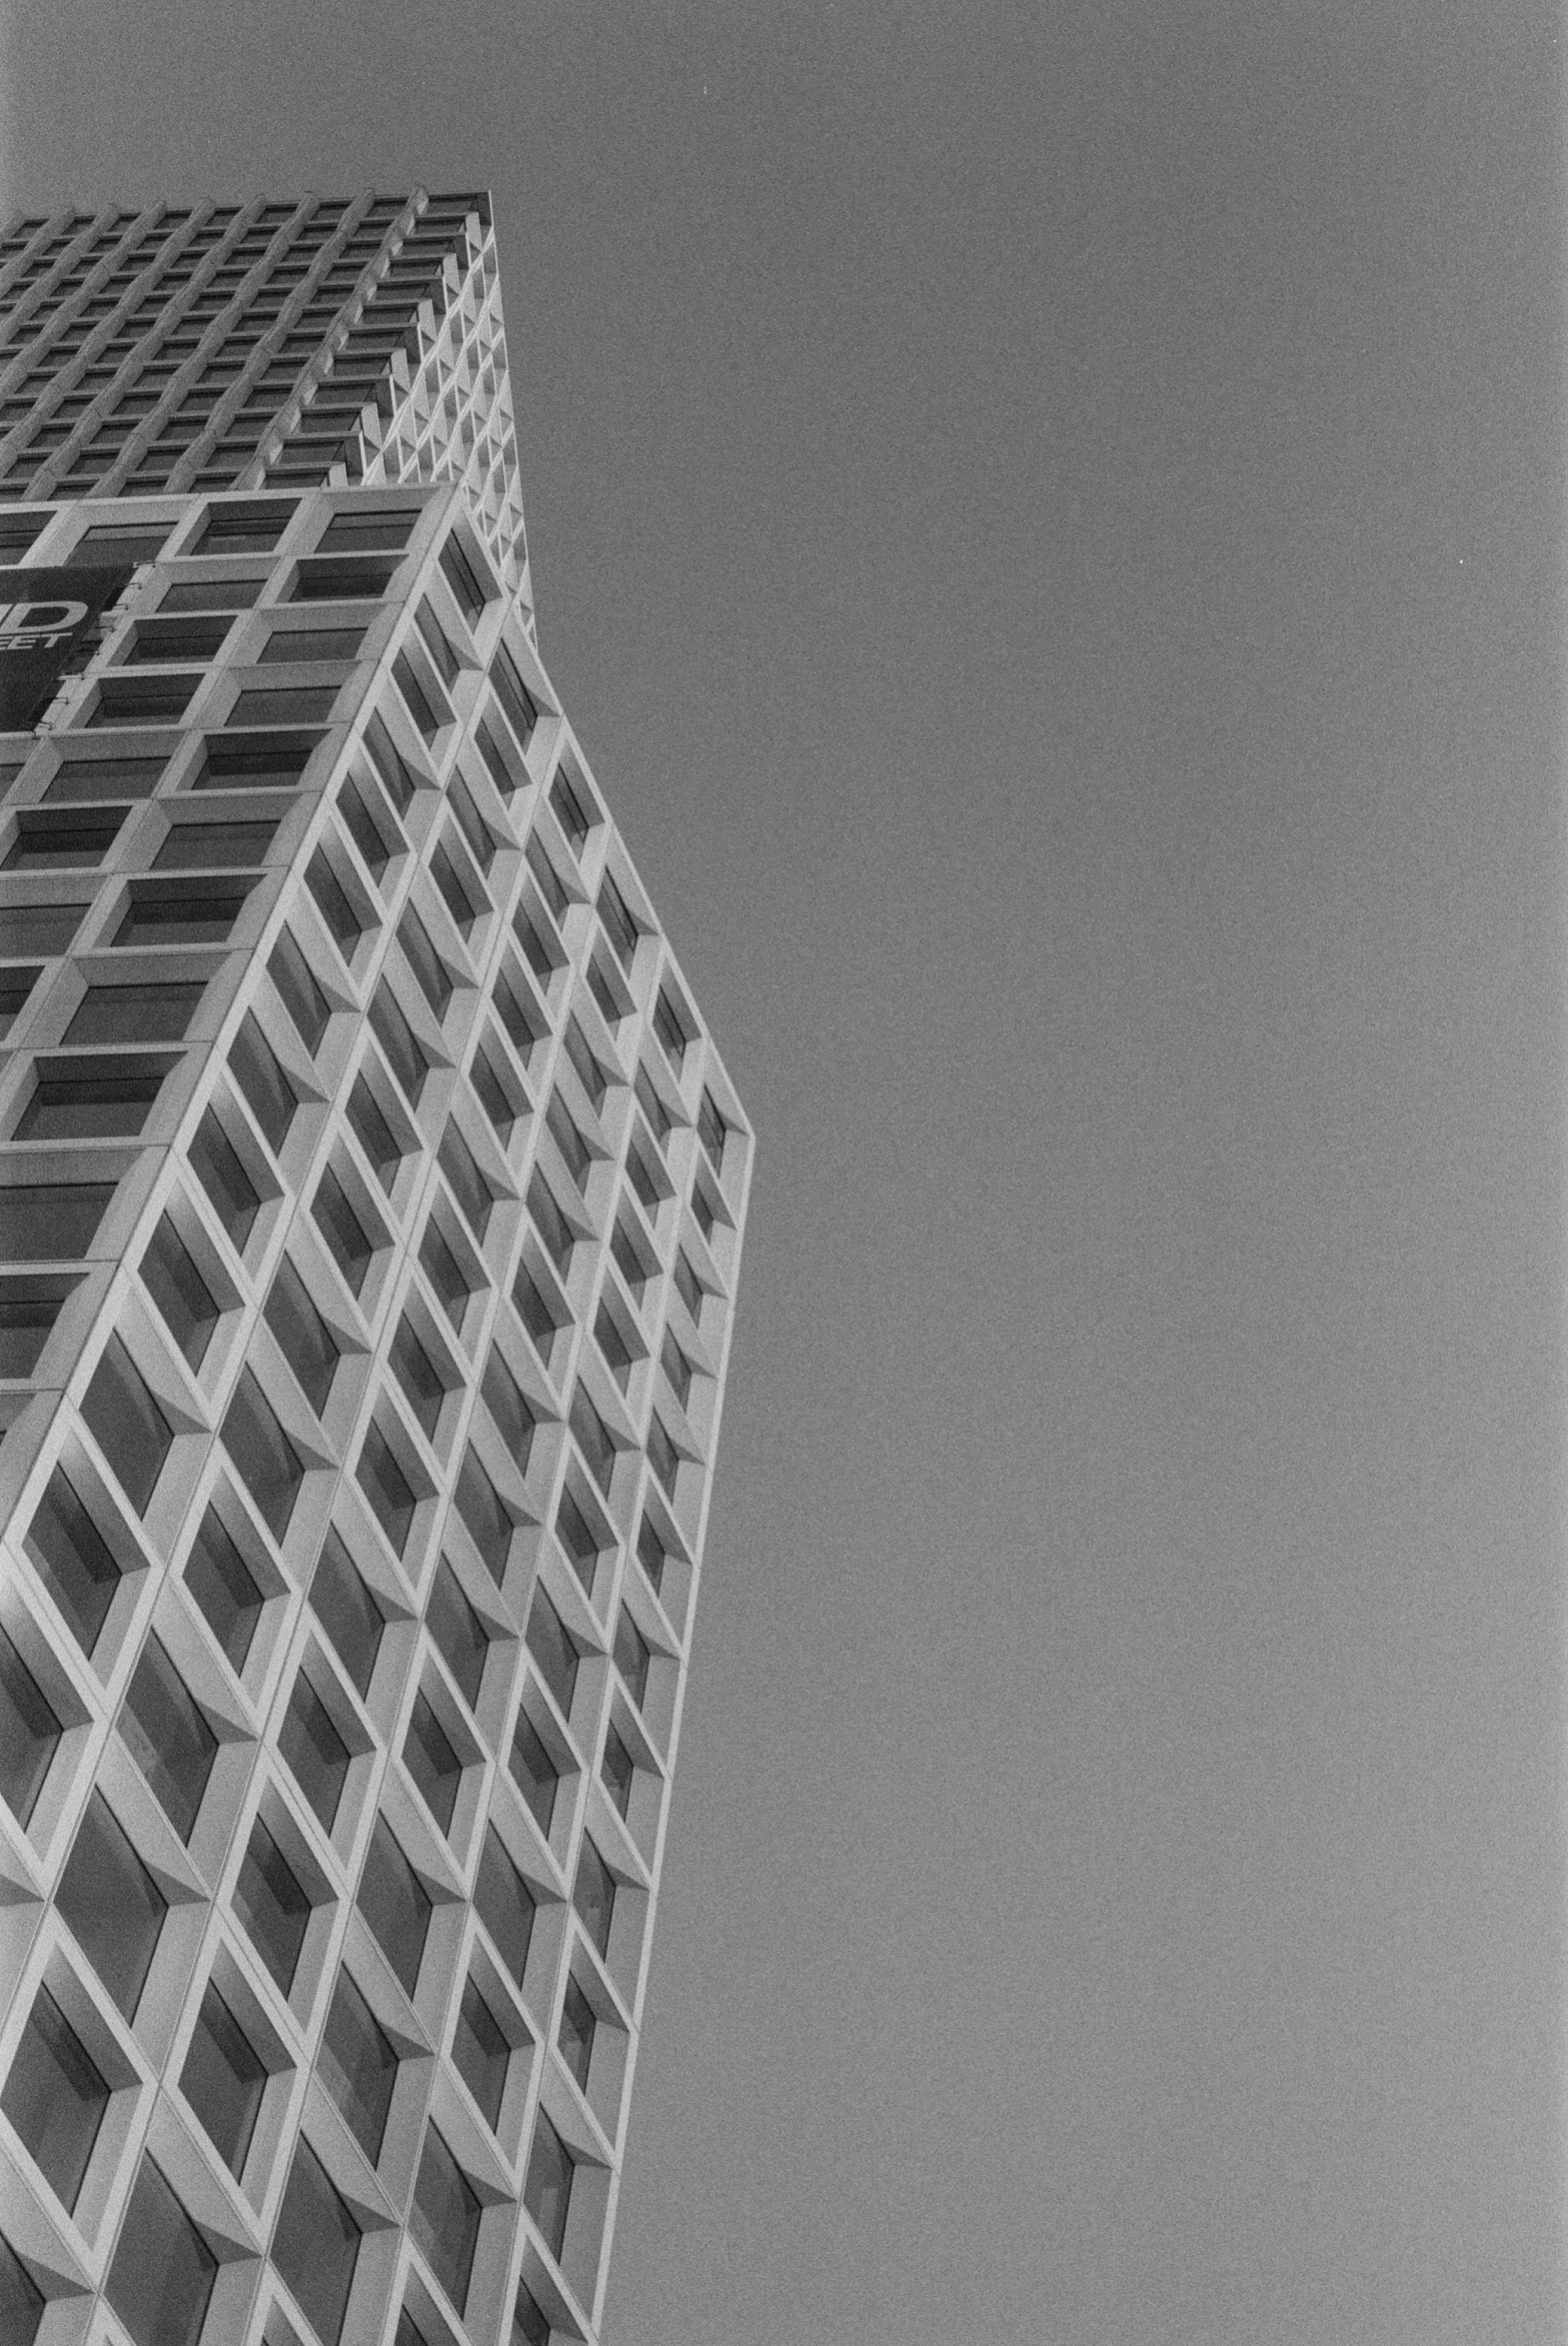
370, 1206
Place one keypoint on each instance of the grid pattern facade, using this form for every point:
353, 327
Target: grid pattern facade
232, 346
371, 1207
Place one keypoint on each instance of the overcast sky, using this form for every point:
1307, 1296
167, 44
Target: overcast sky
1048, 525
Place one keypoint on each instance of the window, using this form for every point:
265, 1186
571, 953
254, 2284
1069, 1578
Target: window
535, 1773
519, 703
64, 839
302, 996
347, 1610
461, 1636
296, 705
169, 1737
16, 987
385, 529
543, 954
396, 772
567, 797
504, 1904
454, 891
21, 2300
304, 1338
161, 2281
593, 1896
495, 1096
630, 1260
392, 1498
469, 1186
41, 929
111, 1905
373, 1135
55, 2097
670, 1029
358, 2065
552, 885
211, 846
185, 640
287, 645
579, 2023
424, 700
255, 761
425, 1386
650, 1193
578, 1536
633, 1655
270, 1096
431, 1761
688, 1286
271, 1905
547, 2194
618, 923
405, 1054
29, 1734
244, 528
435, 982
663, 1456
481, 841
677, 1367
705, 1211
593, 1439
130, 1428
91, 1097
452, 1282
589, 1074
350, 1247
342, 581
125, 698
269, 1465
553, 1227
512, 1411
211, 595
574, 1149
396, 1904
73, 1559
224, 2079
224, 1590
444, 2221
216, 1164
317, 2244
554, 1650
530, 2327
481, 2053
448, 665
135, 1014
464, 578
713, 1130
618, 1770
182, 912
316, 1753
332, 901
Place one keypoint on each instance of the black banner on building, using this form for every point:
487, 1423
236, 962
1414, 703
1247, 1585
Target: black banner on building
49, 629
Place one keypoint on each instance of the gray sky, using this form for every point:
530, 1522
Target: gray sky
1048, 524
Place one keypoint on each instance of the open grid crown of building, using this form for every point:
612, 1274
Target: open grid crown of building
371, 1206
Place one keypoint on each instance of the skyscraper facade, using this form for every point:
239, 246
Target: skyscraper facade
372, 1197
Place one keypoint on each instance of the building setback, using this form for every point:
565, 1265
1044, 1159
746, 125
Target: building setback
370, 1206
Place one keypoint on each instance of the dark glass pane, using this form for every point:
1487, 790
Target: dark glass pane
173, 913
73, 1558
271, 1905
469, 1186
357, 2066
353, 1249
268, 1461
589, 1072
333, 903
577, 2024
215, 846
579, 1540
374, 1134
445, 2218
530, 2327
225, 1180
687, 1286
620, 929
131, 1430
397, 1039
315, 1751
593, 1896
161, 2281
631, 1657
677, 1367
507, 1404
553, 1227
224, 2080
221, 1581
431, 1761
663, 1456
169, 1737
180, 1293
90, 1100
651, 1552
347, 1610
445, 1276
425, 962
593, 1439
317, 2244
553, 1650
711, 1130
302, 996
55, 2098
536, 1772
484, 1515
618, 1770
268, 1092
579, 1156
519, 703
392, 1498
29, 1734
504, 1904
547, 2194
460, 1634
481, 2052
419, 1376
304, 1338
396, 1904
112, 1905
653, 1106
394, 768
134, 1013
21, 2300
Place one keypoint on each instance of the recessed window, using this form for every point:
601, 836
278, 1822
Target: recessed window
273, 1905
593, 1896
538, 1777
619, 1770
180, 1293
224, 1590
383, 529
547, 2194
424, 1383
16, 987
428, 966
307, 644
304, 1338
519, 703
554, 1650
257, 761
216, 1164
677, 1367
112, 1904
529, 2325
552, 885
181, 911
454, 891
162, 2278
269, 1465
405, 1054
362, 828
453, 1284
73, 1559
487, 1518
467, 1184
495, 1093
93, 1097
543, 954
126, 698
582, 1541
345, 925
512, 1411
187, 641
317, 2244
650, 1191
396, 1904
29, 1309
224, 2079
302, 996
29, 1734
432, 1763
135, 1014
214, 847
347, 1610
444, 2222
593, 1439
358, 2065
297, 704
373, 1135
316, 1753
552, 1225
663, 1456
629, 1257
464, 579
652, 1553
396, 774
688, 1286
131, 1430
351, 1245
341, 582
564, 1132
41, 929
448, 665
461, 1636
504, 1904
569, 797
169, 1736
589, 1074
481, 841
269, 1095
244, 528
211, 595
393, 1499
55, 2097
481, 2052
425, 702
618, 922
21, 2300
670, 1029
63, 838
659, 1117
579, 2024
712, 1130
